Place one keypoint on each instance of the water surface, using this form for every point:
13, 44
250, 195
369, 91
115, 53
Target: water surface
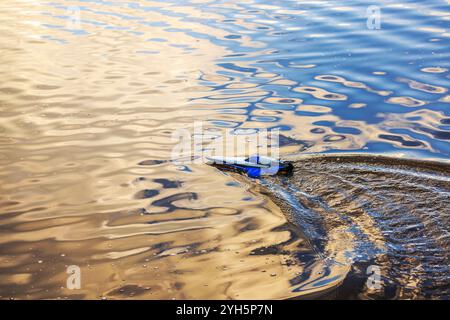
88, 110
373, 212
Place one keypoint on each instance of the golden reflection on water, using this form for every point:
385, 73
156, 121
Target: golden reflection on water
77, 119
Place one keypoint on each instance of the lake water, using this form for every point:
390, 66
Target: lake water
92, 91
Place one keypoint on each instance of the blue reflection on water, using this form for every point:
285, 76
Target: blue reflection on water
377, 84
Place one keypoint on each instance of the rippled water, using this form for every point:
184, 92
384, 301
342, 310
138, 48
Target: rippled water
88, 109
370, 212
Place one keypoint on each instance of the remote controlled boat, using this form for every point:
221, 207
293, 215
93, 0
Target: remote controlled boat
254, 166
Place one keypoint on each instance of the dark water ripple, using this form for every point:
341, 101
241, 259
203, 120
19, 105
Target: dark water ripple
386, 212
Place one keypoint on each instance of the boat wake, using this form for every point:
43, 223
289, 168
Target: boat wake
373, 214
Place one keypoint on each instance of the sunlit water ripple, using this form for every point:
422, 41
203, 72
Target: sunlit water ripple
87, 115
